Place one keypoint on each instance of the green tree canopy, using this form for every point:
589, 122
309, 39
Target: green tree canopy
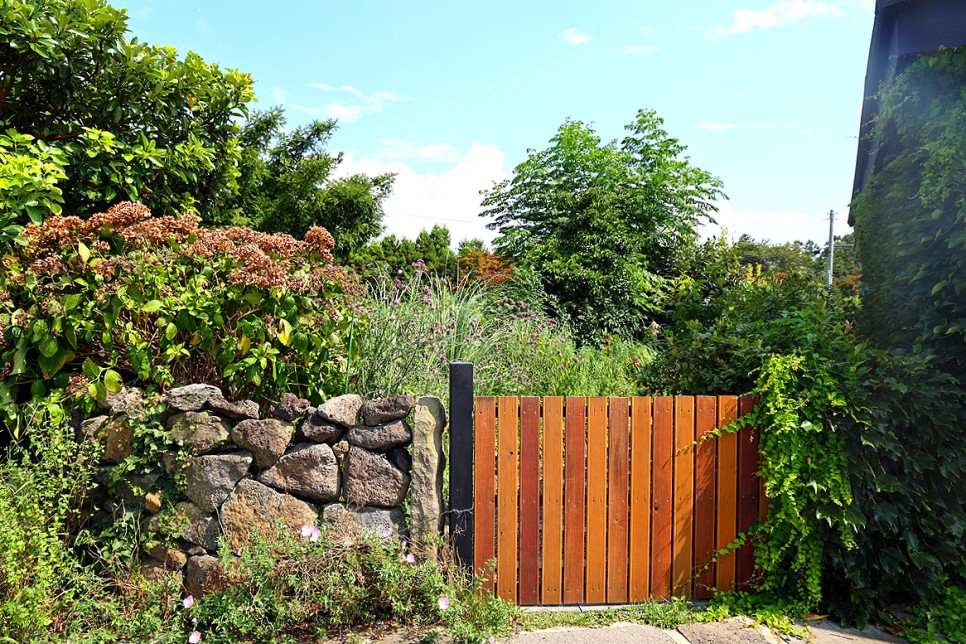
398, 254
286, 185
110, 118
602, 223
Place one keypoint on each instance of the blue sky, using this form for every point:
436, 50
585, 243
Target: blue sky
765, 94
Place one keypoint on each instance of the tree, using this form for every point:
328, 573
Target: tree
397, 255
602, 223
121, 119
286, 185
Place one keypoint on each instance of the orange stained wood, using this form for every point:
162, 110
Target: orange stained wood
617, 490
595, 591
681, 572
529, 500
552, 500
704, 496
747, 492
662, 492
574, 500
484, 488
727, 494
640, 527
507, 489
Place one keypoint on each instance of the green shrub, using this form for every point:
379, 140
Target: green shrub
43, 480
162, 301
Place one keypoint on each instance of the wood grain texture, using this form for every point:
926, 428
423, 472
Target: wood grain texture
618, 460
640, 500
704, 496
747, 492
507, 494
529, 501
484, 489
596, 584
727, 494
574, 499
681, 564
661, 497
552, 559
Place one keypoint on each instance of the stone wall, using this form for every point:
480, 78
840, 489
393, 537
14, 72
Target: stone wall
347, 466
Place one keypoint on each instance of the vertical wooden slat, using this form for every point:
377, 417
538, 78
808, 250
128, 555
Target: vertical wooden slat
640, 528
747, 492
574, 500
683, 496
529, 501
552, 500
617, 482
662, 493
704, 497
724, 578
508, 487
484, 493
595, 591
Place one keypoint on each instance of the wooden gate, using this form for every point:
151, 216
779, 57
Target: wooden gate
608, 500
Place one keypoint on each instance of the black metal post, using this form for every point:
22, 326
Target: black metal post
461, 461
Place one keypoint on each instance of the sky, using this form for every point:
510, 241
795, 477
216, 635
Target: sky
765, 94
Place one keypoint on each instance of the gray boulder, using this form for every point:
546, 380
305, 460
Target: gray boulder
202, 431
372, 480
347, 525
212, 477
383, 410
202, 575
291, 407
236, 411
266, 439
426, 499
309, 471
318, 430
190, 398
381, 437
254, 507
342, 410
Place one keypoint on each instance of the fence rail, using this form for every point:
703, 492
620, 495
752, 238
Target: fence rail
610, 500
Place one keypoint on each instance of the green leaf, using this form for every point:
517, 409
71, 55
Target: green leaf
90, 369
71, 301
151, 306
113, 381
48, 346
171, 331
84, 252
50, 365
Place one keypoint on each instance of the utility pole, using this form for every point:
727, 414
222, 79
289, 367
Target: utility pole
831, 245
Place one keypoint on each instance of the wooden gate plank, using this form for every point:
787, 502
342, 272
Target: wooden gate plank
617, 482
552, 500
704, 497
747, 492
640, 528
681, 564
727, 493
574, 500
484, 489
595, 591
529, 500
507, 490
662, 493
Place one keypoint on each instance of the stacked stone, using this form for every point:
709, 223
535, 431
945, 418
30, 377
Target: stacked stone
301, 466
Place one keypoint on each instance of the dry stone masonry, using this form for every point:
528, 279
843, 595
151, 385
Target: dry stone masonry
347, 465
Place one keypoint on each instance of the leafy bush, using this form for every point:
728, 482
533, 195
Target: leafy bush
85, 304
42, 483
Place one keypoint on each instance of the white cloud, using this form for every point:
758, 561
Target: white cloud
777, 227
450, 197
641, 50
647, 31
722, 127
781, 13
400, 150
575, 37
360, 103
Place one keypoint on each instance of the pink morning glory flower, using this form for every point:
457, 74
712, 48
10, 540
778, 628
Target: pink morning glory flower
443, 603
194, 638
188, 602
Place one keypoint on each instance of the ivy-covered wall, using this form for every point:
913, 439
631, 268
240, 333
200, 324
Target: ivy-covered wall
910, 219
